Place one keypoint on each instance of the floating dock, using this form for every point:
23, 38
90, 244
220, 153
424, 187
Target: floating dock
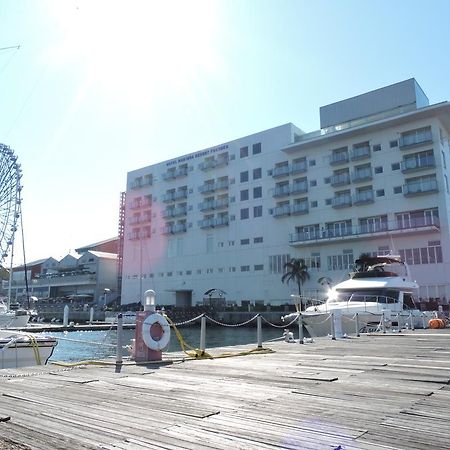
383, 391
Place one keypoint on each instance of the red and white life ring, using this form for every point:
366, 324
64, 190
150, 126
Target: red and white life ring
151, 342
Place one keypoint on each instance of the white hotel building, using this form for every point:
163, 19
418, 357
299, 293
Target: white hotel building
373, 179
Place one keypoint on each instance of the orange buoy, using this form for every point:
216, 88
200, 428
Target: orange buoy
436, 323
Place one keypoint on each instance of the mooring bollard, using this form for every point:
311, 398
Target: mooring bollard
300, 329
357, 324
203, 334
333, 331
66, 316
259, 330
119, 349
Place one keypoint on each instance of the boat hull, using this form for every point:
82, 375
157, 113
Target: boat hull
21, 350
319, 324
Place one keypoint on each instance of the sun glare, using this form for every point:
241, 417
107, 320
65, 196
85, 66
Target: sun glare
137, 48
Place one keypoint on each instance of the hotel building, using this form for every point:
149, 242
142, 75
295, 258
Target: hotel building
373, 179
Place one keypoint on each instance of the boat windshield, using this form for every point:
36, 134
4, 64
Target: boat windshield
393, 269
364, 295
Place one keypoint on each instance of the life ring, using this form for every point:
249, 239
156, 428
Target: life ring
150, 341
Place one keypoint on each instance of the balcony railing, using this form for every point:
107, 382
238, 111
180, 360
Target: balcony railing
170, 174
64, 280
419, 188
341, 201
365, 231
360, 153
207, 187
181, 193
206, 223
205, 206
362, 175
338, 158
299, 188
168, 197
363, 197
411, 140
281, 191
300, 208
299, 167
413, 164
340, 180
281, 171
221, 221
206, 165
179, 228
280, 211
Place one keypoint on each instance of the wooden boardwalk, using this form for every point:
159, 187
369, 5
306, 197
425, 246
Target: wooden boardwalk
372, 392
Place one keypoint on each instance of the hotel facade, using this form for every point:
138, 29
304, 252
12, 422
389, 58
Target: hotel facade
373, 179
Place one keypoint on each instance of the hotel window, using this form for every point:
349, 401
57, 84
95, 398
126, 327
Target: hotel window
245, 241
395, 166
398, 190
376, 147
257, 173
245, 268
378, 169
314, 204
244, 152
257, 192
257, 211
258, 267
256, 148
277, 263
312, 162
244, 213
244, 176
393, 144
244, 195
258, 240
231, 269
380, 193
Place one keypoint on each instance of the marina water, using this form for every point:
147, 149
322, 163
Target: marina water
90, 345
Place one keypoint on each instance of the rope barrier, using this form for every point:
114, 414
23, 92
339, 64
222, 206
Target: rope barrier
285, 325
231, 325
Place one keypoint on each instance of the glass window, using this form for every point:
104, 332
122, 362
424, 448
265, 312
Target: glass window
257, 211
244, 152
257, 148
244, 176
244, 195
257, 173
244, 213
257, 192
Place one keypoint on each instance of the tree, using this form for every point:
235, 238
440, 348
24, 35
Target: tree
296, 270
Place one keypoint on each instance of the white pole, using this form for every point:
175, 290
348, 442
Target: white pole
66, 316
357, 324
333, 333
203, 334
383, 325
119, 339
259, 330
300, 329
91, 315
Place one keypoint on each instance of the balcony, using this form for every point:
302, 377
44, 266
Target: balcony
360, 153
206, 223
169, 175
338, 158
341, 201
135, 205
179, 228
420, 188
415, 139
168, 197
221, 221
365, 232
206, 188
415, 164
207, 165
363, 197
299, 188
362, 175
300, 208
206, 206
340, 180
180, 194
281, 191
63, 280
146, 203
280, 211
222, 184
299, 167
281, 171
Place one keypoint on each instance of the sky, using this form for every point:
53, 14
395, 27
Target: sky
100, 88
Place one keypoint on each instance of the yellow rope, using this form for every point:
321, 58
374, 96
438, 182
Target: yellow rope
196, 353
35, 346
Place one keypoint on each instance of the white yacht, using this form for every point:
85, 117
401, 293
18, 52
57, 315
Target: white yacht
10, 318
23, 350
381, 289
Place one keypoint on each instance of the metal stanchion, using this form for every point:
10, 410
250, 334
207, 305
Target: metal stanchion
300, 329
357, 324
259, 330
383, 325
411, 321
333, 331
203, 334
119, 349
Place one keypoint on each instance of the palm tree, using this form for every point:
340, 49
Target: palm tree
296, 270
362, 263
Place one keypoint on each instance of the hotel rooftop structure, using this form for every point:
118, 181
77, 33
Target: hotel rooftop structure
373, 179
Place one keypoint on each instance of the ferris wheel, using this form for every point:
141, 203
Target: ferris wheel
10, 188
